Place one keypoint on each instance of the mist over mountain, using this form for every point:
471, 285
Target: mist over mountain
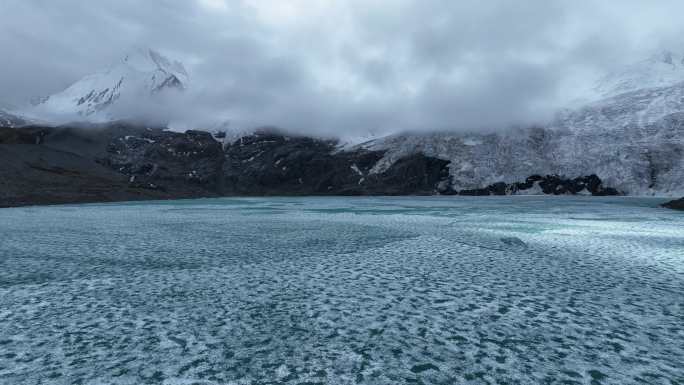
478, 99
131, 89
342, 68
341, 191
627, 134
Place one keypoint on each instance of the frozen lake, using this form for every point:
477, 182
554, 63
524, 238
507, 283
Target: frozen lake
435, 290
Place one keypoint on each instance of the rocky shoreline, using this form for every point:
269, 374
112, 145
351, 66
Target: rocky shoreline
677, 204
120, 161
549, 185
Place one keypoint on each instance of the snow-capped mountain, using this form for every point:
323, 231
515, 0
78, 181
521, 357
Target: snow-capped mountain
631, 136
139, 76
633, 139
659, 70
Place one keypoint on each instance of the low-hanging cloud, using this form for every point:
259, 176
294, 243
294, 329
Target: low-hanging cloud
343, 67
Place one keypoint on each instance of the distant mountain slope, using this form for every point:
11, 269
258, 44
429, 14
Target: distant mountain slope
633, 141
659, 70
138, 77
120, 161
632, 138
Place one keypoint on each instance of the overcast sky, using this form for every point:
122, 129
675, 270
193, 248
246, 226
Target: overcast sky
340, 66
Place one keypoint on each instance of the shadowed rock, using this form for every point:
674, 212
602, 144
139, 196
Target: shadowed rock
77, 164
677, 204
549, 184
123, 161
268, 163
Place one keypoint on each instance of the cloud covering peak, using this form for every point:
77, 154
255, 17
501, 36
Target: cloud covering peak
344, 67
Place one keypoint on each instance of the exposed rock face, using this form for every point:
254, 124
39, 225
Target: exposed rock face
549, 184
157, 159
415, 174
119, 161
677, 204
73, 164
273, 164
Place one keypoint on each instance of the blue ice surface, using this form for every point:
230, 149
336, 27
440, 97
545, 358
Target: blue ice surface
433, 290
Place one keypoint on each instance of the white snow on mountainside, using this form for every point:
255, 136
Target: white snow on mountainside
661, 69
633, 140
140, 76
631, 136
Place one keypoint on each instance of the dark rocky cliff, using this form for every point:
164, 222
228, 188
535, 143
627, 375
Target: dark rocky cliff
74, 164
274, 164
167, 161
121, 161
550, 185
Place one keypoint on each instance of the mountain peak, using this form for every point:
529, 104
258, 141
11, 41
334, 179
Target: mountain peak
147, 59
138, 77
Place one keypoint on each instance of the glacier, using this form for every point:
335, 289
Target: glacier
628, 131
660, 69
634, 141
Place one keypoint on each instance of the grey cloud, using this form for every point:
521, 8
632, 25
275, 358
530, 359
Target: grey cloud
342, 67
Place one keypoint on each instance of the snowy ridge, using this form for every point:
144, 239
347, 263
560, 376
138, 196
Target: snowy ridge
661, 69
632, 141
138, 77
631, 137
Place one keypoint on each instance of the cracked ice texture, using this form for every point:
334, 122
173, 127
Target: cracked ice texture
342, 291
